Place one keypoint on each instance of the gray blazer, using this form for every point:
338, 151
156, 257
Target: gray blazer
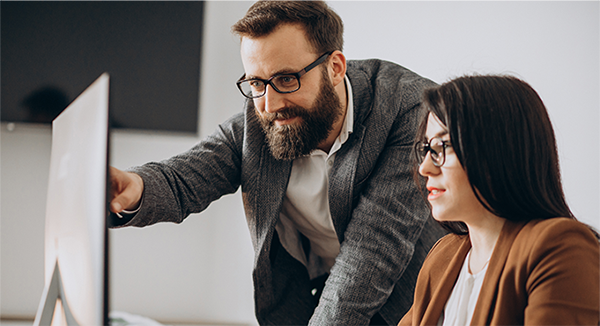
383, 223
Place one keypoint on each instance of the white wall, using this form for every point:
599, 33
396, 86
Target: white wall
554, 46
200, 271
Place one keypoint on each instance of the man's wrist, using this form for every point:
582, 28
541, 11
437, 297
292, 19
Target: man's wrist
130, 212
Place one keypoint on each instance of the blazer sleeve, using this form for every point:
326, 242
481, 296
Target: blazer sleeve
187, 183
563, 283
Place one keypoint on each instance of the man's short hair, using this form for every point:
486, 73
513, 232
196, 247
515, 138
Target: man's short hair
324, 28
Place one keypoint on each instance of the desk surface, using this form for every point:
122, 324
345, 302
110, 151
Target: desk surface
8, 322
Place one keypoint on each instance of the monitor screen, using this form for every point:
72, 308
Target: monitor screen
76, 236
151, 49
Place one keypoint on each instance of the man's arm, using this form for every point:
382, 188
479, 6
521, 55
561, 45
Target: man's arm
183, 184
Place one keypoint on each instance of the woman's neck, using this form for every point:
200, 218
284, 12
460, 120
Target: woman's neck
483, 235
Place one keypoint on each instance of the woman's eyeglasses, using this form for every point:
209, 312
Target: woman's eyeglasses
436, 147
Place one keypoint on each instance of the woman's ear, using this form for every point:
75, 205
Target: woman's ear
337, 67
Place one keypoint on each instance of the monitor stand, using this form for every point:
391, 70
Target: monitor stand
54, 294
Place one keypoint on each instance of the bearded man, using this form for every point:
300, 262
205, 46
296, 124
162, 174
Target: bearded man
322, 153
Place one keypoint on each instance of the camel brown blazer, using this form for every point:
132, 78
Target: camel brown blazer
543, 272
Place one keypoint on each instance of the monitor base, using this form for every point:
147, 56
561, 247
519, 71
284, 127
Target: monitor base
53, 295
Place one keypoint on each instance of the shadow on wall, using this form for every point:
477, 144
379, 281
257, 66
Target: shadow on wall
45, 103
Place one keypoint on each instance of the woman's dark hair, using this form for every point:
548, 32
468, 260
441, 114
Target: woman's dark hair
501, 133
324, 28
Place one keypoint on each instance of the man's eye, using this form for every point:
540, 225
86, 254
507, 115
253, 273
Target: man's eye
256, 83
286, 80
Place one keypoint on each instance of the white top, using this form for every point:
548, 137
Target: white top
306, 204
461, 303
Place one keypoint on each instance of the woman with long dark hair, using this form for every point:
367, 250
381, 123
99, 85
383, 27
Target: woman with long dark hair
516, 254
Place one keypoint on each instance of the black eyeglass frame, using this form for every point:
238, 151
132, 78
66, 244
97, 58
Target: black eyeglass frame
422, 148
268, 82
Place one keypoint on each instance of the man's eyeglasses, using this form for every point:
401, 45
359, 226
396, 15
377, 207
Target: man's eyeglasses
436, 147
282, 83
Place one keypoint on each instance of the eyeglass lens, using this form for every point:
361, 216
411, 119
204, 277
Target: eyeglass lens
435, 147
281, 83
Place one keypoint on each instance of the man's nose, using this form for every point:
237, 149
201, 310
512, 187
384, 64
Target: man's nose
273, 100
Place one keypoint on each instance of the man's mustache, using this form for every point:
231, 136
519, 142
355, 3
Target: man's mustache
284, 114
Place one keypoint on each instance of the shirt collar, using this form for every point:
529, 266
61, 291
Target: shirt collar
348, 124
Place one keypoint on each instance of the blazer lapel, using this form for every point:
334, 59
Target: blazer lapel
264, 182
446, 284
274, 177
343, 174
272, 184
489, 290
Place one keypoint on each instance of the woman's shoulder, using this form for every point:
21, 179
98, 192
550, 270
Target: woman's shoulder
554, 233
554, 227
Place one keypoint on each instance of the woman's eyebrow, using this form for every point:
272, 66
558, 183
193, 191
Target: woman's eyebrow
442, 133
439, 134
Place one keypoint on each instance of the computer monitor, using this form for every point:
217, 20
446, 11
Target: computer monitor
76, 236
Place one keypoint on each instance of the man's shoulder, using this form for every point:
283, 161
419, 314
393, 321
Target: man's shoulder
373, 64
385, 70
385, 87
237, 129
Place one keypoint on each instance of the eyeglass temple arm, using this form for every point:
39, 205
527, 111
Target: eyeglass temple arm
314, 64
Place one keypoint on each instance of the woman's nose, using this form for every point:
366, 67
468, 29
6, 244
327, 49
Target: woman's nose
426, 168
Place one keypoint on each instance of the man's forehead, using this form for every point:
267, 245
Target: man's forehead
272, 54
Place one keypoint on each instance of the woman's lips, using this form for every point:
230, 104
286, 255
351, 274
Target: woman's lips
434, 192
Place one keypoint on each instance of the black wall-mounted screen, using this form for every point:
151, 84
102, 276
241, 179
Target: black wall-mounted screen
51, 51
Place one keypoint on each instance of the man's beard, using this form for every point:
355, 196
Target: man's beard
291, 141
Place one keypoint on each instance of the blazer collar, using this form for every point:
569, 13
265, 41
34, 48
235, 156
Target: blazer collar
362, 93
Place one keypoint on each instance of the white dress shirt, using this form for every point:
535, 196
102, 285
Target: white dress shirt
306, 204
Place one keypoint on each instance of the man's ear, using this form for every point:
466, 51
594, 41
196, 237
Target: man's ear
337, 67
